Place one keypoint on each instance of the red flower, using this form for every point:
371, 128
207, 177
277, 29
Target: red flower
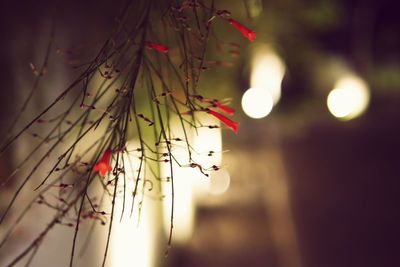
246, 32
224, 108
233, 125
103, 165
159, 47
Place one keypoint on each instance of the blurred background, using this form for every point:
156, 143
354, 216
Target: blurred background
312, 177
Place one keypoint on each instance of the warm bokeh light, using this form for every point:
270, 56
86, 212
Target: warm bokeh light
267, 71
208, 145
257, 103
133, 236
349, 98
183, 181
190, 184
219, 182
132, 242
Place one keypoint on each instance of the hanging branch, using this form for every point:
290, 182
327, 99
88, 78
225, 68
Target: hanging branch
85, 140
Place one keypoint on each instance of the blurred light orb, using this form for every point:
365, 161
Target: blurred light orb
257, 103
131, 236
267, 71
349, 98
219, 182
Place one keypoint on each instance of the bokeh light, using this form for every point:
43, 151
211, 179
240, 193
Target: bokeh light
349, 98
219, 182
190, 184
267, 71
257, 103
133, 234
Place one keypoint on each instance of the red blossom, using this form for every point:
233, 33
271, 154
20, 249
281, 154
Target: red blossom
233, 125
224, 108
246, 32
159, 47
103, 165
215, 103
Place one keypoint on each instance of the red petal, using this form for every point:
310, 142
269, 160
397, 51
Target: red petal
159, 47
246, 32
102, 168
233, 125
103, 172
224, 108
106, 156
103, 165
